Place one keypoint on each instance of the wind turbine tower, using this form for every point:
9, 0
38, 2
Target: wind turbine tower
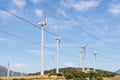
22, 69
42, 24
12, 73
58, 38
94, 53
8, 72
83, 55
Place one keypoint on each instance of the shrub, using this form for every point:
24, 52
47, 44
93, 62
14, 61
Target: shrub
19, 79
59, 74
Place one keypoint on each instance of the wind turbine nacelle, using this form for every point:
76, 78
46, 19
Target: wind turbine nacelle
57, 38
95, 53
42, 24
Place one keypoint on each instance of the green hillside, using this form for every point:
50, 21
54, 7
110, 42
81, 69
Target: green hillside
77, 74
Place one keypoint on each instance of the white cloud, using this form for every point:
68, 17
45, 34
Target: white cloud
38, 52
3, 39
36, 1
20, 65
85, 5
34, 51
4, 16
62, 12
61, 44
117, 31
115, 9
57, 25
19, 3
38, 12
63, 3
81, 5
70, 64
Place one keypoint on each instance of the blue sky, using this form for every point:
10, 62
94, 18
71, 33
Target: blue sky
95, 22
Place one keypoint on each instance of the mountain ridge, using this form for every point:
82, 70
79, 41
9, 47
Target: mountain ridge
118, 71
3, 72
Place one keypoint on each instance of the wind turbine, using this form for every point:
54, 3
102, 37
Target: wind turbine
12, 73
58, 38
22, 66
52, 61
94, 53
42, 24
83, 51
8, 72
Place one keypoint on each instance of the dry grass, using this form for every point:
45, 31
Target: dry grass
113, 78
46, 77
35, 77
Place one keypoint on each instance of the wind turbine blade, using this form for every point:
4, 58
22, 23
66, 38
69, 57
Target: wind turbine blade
8, 64
45, 20
86, 45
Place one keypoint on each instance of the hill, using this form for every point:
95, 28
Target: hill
3, 72
77, 74
118, 71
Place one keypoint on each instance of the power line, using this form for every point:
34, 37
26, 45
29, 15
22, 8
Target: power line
77, 26
18, 37
64, 39
29, 41
92, 22
82, 29
7, 33
108, 57
27, 22
33, 25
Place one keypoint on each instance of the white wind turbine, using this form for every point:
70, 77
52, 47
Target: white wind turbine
58, 38
42, 24
83, 55
94, 53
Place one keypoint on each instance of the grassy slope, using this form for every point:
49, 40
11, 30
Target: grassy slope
117, 77
70, 70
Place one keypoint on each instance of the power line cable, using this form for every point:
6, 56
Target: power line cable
18, 37
7, 33
25, 21
92, 22
64, 39
77, 26
15, 36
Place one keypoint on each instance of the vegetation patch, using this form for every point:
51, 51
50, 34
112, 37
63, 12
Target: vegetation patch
77, 74
19, 79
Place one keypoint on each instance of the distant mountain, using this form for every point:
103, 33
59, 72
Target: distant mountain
3, 72
118, 71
